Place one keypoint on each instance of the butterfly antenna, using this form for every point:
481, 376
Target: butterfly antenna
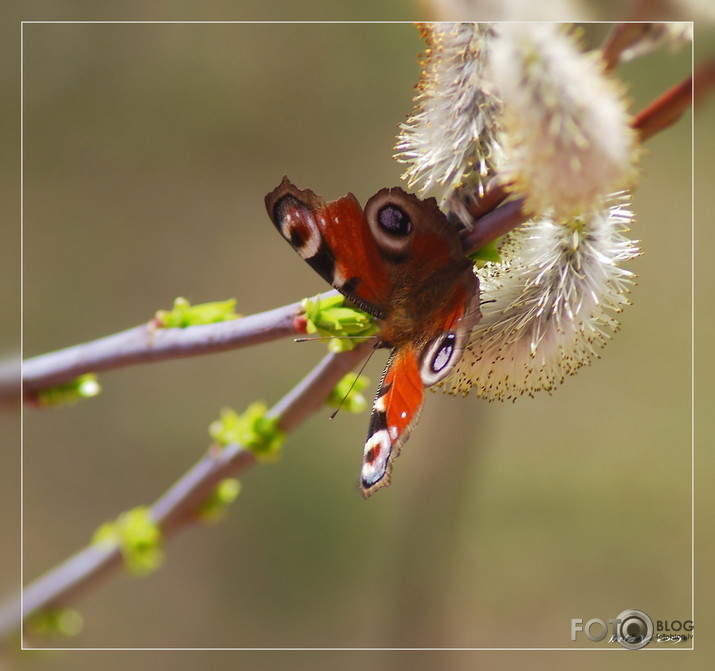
357, 377
355, 337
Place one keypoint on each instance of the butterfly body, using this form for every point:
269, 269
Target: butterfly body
400, 260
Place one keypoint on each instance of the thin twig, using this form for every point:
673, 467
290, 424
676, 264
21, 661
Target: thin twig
176, 509
665, 110
10, 371
495, 193
148, 343
496, 223
472, 205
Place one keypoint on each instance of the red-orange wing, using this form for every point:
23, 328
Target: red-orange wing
335, 240
395, 412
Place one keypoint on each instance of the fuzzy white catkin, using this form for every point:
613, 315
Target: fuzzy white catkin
450, 138
566, 134
555, 299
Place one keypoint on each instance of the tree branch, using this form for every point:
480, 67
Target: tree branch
665, 110
148, 343
494, 224
176, 509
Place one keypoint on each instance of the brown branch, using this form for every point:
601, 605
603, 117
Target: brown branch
148, 343
176, 509
665, 110
494, 224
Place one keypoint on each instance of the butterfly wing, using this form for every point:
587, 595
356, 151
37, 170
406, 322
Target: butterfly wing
335, 240
410, 369
395, 411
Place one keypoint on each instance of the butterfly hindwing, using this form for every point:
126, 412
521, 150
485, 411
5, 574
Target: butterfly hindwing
395, 411
409, 371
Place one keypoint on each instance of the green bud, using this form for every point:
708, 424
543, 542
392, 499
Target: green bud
85, 386
138, 537
184, 314
330, 317
63, 621
347, 393
215, 504
252, 430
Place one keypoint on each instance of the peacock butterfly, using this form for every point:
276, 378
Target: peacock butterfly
401, 261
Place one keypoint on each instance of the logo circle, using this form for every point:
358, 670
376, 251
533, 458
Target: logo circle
635, 629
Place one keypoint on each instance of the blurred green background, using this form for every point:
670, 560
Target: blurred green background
148, 150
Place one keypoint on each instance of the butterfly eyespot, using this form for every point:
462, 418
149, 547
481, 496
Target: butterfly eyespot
375, 458
391, 218
394, 220
444, 354
297, 224
440, 356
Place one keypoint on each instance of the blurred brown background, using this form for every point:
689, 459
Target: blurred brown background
148, 150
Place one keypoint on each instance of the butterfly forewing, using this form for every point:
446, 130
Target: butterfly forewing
335, 240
